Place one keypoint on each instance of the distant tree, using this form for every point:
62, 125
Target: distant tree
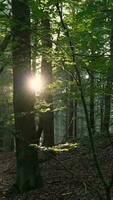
46, 120
109, 84
107, 184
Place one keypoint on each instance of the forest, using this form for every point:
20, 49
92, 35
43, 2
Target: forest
56, 107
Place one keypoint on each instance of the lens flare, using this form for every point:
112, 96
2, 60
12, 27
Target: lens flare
36, 84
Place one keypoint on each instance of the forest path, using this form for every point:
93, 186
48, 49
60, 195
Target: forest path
59, 184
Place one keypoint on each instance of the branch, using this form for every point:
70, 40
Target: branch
76, 65
4, 43
3, 46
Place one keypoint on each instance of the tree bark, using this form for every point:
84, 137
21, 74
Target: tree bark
28, 176
46, 72
75, 120
92, 103
71, 121
101, 114
109, 86
107, 100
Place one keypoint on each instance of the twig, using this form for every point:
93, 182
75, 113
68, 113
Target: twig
80, 86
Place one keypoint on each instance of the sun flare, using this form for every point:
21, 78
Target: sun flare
36, 84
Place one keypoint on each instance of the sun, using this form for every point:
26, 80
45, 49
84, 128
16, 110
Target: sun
36, 84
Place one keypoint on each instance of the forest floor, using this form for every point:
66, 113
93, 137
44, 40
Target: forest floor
68, 175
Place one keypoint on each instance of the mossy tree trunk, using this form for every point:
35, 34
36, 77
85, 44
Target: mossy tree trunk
28, 176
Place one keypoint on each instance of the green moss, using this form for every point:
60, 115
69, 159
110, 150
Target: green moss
59, 148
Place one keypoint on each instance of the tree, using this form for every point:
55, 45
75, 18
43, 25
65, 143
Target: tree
46, 121
106, 184
28, 176
109, 85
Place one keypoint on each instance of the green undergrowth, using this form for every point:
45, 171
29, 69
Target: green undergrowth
47, 153
60, 148
100, 141
57, 148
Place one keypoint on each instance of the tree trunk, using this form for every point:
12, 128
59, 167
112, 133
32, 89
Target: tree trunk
92, 103
101, 114
109, 86
46, 72
75, 120
71, 120
108, 193
28, 176
107, 100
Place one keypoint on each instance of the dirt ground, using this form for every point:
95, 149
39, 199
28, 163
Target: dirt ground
69, 175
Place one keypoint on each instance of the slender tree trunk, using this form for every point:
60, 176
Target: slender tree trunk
71, 120
92, 103
65, 138
28, 176
46, 71
101, 114
108, 193
75, 120
72, 116
80, 86
107, 100
34, 62
92, 87
109, 86
35, 45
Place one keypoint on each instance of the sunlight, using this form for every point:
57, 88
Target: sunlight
87, 76
36, 84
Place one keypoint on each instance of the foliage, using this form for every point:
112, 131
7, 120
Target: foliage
81, 33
